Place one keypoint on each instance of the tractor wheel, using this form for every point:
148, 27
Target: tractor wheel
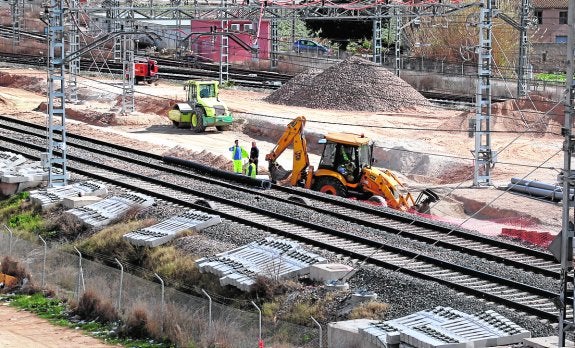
198, 120
222, 128
330, 186
176, 124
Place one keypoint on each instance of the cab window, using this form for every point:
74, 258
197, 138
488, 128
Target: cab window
328, 156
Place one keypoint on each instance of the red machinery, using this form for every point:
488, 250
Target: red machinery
145, 69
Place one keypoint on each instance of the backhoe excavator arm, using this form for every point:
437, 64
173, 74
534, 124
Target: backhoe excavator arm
292, 135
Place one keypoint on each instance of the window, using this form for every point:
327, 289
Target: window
328, 157
562, 17
561, 39
539, 16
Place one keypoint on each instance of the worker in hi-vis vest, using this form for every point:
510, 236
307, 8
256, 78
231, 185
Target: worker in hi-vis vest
251, 169
238, 154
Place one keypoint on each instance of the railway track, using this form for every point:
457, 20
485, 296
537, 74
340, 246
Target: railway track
465, 261
173, 69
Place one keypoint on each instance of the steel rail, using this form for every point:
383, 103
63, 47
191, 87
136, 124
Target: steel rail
377, 253
405, 225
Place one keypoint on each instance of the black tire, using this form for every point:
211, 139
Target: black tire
176, 124
223, 128
198, 123
330, 186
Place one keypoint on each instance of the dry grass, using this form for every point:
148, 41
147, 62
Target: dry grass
170, 263
136, 323
267, 288
109, 241
369, 310
12, 267
91, 307
65, 226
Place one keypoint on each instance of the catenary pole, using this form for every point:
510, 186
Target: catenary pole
567, 178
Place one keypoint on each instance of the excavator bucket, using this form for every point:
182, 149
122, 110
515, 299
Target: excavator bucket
425, 198
277, 172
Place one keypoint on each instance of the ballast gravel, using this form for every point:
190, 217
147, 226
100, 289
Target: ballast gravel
353, 84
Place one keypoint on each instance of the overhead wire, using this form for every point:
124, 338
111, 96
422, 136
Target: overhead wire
420, 129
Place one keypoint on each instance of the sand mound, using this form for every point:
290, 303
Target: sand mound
354, 84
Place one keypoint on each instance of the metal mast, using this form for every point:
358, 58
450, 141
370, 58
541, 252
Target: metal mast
397, 13
523, 61
275, 43
483, 153
56, 147
377, 39
73, 46
224, 47
16, 7
568, 179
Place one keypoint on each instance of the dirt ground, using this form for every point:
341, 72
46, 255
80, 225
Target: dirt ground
436, 155
426, 147
23, 329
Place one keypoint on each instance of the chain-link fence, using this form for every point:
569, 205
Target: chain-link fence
178, 315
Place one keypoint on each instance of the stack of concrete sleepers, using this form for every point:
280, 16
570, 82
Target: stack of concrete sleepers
16, 174
103, 212
167, 230
445, 327
274, 258
54, 195
10, 160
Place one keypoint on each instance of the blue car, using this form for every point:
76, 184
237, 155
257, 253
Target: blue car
312, 47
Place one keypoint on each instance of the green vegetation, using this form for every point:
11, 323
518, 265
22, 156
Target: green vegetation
29, 221
12, 205
551, 77
57, 312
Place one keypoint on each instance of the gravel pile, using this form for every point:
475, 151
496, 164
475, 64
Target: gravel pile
354, 84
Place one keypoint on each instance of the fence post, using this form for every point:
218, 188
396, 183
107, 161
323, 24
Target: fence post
260, 342
162, 304
209, 308
43, 261
320, 333
9, 240
121, 283
80, 275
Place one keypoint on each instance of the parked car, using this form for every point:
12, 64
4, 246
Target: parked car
309, 46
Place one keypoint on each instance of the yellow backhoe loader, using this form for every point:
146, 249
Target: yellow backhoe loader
344, 169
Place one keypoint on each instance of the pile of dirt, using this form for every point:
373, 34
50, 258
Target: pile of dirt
28, 83
150, 105
354, 84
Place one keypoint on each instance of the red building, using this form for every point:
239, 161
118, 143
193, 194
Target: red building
243, 37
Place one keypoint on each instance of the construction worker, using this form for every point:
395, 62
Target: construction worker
238, 154
254, 154
251, 169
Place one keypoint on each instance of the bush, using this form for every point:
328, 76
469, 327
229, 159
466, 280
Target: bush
12, 267
91, 307
136, 324
369, 310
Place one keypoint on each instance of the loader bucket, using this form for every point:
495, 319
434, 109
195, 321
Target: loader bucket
425, 198
277, 172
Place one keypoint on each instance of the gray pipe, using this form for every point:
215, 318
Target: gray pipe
264, 184
537, 191
533, 183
